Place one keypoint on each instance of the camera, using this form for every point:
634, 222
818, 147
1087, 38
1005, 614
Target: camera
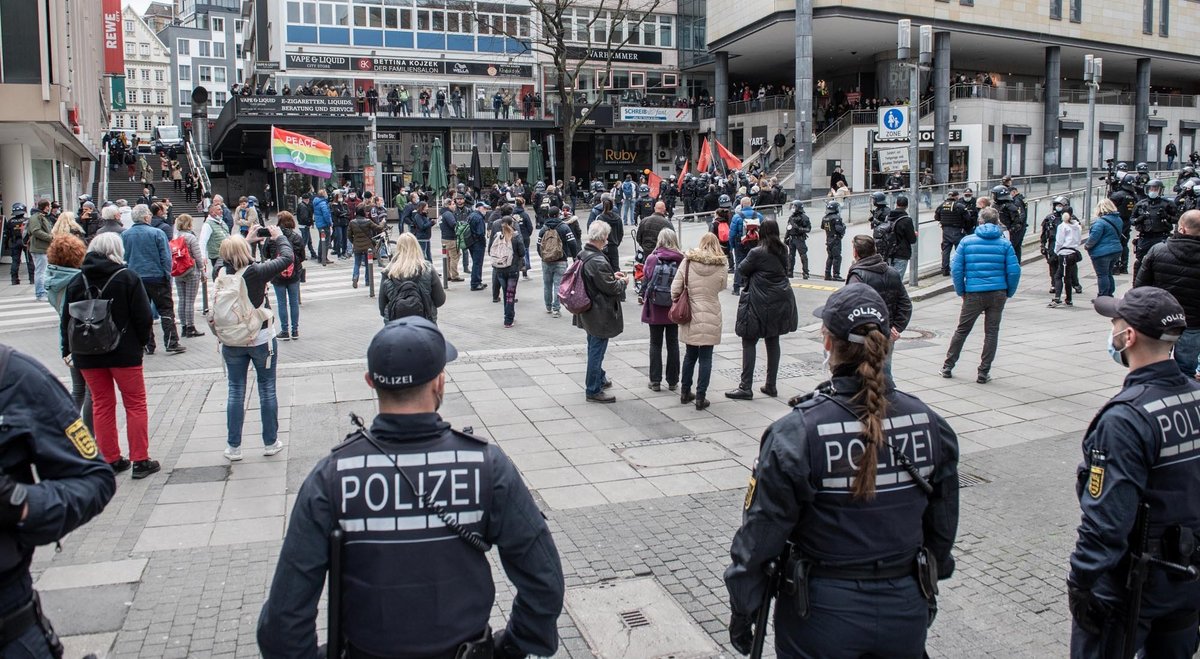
263, 232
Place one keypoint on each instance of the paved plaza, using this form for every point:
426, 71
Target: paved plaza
642, 496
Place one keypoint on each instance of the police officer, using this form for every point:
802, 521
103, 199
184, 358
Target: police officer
690, 195
1049, 236
1142, 179
1138, 449
39, 427
1154, 217
860, 482
1188, 172
1124, 197
1010, 217
670, 194
796, 236
972, 211
645, 203
835, 230
879, 208
953, 218
1186, 199
413, 582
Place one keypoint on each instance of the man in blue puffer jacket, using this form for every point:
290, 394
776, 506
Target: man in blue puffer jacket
986, 273
323, 219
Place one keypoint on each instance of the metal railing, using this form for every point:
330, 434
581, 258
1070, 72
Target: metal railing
102, 181
859, 118
1036, 94
196, 164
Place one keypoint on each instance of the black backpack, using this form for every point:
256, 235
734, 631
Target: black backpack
90, 328
659, 293
885, 239
407, 300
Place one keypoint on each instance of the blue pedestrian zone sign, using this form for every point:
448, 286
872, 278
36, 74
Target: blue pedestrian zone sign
893, 123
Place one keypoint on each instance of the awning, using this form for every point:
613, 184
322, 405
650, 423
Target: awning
1185, 124
1158, 123
1111, 127
1066, 124
1012, 129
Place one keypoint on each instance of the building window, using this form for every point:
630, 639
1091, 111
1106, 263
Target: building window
219, 49
1056, 9
185, 97
220, 98
239, 26
161, 121
183, 47
120, 122
219, 74
145, 75
218, 24
666, 31
131, 73
185, 73
1164, 19
1147, 16
128, 27
205, 49
160, 97
205, 73
130, 48
146, 124
145, 49
145, 97
967, 3
431, 15
158, 75
241, 77
1076, 11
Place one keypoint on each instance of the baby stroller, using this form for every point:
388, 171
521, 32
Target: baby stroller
639, 274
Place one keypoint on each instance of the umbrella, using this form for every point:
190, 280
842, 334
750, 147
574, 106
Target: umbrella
537, 168
438, 181
417, 172
504, 162
476, 171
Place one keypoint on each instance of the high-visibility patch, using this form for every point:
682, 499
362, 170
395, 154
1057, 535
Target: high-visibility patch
1096, 481
78, 433
750, 493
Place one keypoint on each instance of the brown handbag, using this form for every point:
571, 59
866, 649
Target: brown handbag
681, 309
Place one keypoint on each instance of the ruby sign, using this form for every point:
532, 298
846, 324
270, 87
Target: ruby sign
114, 42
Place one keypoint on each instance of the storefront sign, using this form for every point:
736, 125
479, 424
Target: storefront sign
622, 55
398, 65
490, 70
264, 67
627, 152
657, 115
893, 160
926, 135
295, 106
600, 116
114, 42
318, 62
406, 65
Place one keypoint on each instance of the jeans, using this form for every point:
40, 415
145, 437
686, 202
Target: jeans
237, 362
552, 274
1104, 273
339, 240
82, 397
306, 235
129, 380
1187, 351
749, 350
594, 381
477, 264
360, 259
691, 355
39, 275
900, 266
739, 254
671, 334
287, 298
627, 212
508, 290
159, 292
991, 305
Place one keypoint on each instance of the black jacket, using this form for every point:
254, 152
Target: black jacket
1174, 266
340, 213
130, 310
270, 251
882, 277
906, 233
616, 230
304, 214
767, 306
648, 230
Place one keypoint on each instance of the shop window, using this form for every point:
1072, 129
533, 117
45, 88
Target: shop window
519, 141
460, 140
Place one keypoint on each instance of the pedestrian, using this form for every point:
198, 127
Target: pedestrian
37, 241
185, 248
448, 225
555, 244
304, 219
603, 320
798, 229
955, 222
835, 231
423, 101
475, 242
524, 225
870, 525
1171, 152
986, 272
662, 267
159, 218
149, 256
744, 227
1174, 266
362, 237
287, 283
868, 268
1104, 246
14, 230
422, 228
506, 252
441, 560
238, 271
65, 225
212, 234
323, 221
616, 230
704, 275
176, 175
105, 277
766, 311
410, 285
1136, 489
895, 237
1067, 240
340, 211
43, 432
65, 261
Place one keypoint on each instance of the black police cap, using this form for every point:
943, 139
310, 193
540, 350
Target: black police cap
408, 352
851, 307
1148, 309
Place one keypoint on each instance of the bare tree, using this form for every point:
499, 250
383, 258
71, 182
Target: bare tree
606, 26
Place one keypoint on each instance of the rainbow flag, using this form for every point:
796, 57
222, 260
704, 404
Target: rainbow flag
301, 153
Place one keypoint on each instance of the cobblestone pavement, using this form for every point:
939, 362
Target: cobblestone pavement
646, 489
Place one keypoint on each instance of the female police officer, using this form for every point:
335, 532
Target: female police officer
859, 484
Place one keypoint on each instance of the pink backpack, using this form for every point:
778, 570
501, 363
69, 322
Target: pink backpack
571, 291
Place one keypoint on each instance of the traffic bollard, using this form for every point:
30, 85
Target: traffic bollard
370, 275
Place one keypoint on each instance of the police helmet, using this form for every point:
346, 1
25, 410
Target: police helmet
1143, 168
1156, 185
18, 209
643, 189
1187, 172
691, 177
1122, 167
672, 178
832, 206
84, 198
951, 194
724, 202
879, 199
1128, 181
1001, 193
1060, 200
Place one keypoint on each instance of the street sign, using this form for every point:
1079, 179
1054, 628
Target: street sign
893, 123
893, 160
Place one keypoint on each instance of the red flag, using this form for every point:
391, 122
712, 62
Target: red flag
731, 161
705, 161
654, 181
682, 175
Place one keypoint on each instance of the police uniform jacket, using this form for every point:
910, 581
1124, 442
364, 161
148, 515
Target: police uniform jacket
951, 215
1154, 216
1174, 265
40, 427
802, 483
411, 587
1125, 202
1140, 447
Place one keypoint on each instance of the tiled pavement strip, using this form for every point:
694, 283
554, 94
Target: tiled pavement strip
178, 565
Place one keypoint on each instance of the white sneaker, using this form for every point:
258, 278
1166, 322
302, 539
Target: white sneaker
233, 453
273, 448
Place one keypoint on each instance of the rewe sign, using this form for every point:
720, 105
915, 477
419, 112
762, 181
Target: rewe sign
114, 42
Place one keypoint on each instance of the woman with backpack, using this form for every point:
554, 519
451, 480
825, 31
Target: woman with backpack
660, 272
410, 285
111, 353
287, 283
704, 274
255, 342
766, 308
185, 246
722, 218
507, 253
64, 259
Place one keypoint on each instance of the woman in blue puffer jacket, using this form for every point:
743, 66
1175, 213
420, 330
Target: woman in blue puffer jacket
1104, 245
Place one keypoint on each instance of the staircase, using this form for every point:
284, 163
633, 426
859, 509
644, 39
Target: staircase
120, 187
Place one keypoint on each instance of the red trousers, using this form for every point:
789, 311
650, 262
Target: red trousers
100, 382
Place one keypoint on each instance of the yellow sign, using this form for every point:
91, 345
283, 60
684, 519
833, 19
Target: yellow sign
1096, 482
78, 433
750, 492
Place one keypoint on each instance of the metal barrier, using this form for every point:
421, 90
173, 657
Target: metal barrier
102, 182
196, 164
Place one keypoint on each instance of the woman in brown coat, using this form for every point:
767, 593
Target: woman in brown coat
705, 270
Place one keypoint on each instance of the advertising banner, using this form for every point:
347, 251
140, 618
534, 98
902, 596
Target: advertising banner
118, 92
295, 106
114, 40
657, 115
417, 66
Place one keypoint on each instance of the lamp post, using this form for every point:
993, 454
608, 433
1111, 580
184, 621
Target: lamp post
915, 67
1092, 68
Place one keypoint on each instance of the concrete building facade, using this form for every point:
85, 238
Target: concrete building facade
206, 51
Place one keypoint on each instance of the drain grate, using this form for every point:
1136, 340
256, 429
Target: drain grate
967, 480
634, 619
802, 367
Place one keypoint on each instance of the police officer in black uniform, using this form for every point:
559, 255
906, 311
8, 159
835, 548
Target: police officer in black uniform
416, 581
669, 194
1140, 449
1049, 236
1186, 199
860, 483
879, 209
644, 206
1188, 172
1124, 197
1141, 180
796, 237
835, 230
972, 211
1010, 217
39, 427
1154, 217
953, 218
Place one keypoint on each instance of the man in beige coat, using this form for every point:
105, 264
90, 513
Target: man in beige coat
704, 271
